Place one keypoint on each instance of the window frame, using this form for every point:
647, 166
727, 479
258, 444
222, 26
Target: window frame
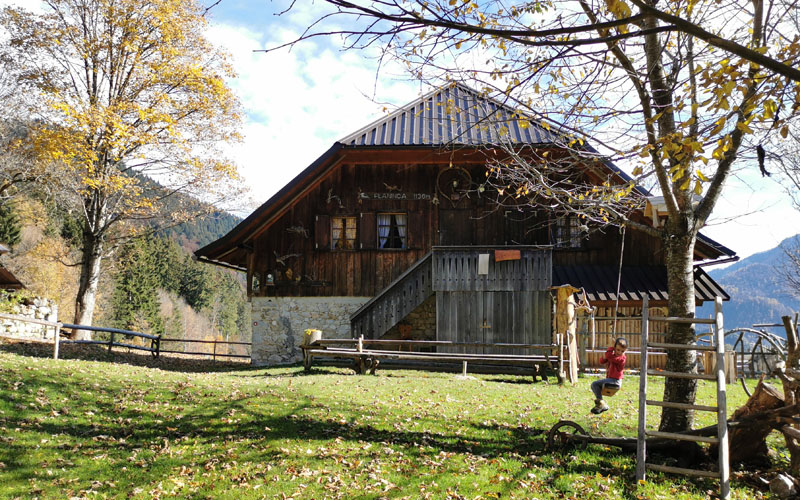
343, 231
402, 234
567, 234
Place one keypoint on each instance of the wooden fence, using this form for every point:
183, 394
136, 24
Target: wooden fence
215, 351
593, 342
117, 333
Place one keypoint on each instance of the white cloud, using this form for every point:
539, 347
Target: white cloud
298, 102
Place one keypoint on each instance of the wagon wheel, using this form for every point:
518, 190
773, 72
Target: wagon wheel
761, 346
564, 434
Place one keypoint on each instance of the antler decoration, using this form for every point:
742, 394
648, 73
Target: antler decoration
298, 230
281, 259
332, 197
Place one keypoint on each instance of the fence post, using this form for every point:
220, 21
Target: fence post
214, 356
111, 342
56, 339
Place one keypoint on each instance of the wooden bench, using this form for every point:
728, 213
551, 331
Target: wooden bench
368, 360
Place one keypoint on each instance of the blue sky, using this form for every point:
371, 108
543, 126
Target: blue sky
300, 101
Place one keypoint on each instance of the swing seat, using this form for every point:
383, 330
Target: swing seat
609, 389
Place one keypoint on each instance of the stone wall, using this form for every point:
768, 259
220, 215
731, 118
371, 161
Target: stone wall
37, 308
279, 324
422, 321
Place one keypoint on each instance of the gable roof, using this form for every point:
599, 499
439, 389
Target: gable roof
454, 115
449, 116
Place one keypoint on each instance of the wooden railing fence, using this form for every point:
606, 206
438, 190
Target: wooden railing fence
214, 354
155, 340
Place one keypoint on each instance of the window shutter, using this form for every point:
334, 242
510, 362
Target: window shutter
416, 229
322, 232
367, 231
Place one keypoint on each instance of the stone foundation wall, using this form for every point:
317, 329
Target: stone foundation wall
279, 324
422, 321
44, 309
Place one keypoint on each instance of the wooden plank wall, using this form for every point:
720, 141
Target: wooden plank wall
493, 317
510, 304
457, 270
358, 189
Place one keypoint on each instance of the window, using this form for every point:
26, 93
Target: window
392, 230
343, 233
567, 232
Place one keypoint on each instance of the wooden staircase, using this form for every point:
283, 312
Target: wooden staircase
718, 347
395, 302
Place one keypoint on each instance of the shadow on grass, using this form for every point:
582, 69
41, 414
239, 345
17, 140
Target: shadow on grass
259, 429
268, 429
85, 352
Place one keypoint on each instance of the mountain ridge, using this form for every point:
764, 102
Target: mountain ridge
759, 293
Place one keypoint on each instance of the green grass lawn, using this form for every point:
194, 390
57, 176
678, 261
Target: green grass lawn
74, 428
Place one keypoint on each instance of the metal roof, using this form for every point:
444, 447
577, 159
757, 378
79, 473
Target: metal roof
600, 282
454, 115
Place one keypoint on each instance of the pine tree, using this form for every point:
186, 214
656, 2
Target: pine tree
135, 299
10, 227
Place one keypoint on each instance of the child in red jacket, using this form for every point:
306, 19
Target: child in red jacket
615, 358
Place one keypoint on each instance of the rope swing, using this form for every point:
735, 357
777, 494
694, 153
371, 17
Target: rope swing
619, 277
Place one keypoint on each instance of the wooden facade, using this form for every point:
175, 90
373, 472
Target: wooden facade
298, 252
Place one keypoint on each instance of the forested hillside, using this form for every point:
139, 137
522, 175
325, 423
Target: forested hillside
198, 233
758, 289
149, 283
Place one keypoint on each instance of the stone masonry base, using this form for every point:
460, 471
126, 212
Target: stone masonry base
279, 324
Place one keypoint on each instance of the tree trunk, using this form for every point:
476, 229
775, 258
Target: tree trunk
748, 443
679, 243
87, 290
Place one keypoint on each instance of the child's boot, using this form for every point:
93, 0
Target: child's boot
603, 406
598, 405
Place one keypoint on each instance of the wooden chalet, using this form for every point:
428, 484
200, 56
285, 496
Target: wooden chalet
388, 235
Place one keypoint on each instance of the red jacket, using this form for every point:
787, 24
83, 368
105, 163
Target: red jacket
615, 364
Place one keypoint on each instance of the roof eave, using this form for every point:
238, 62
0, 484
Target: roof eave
239, 234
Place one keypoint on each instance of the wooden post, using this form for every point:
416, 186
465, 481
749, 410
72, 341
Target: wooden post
111, 342
641, 442
561, 374
214, 354
722, 417
791, 340
360, 343
464, 368
583, 339
56, 341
